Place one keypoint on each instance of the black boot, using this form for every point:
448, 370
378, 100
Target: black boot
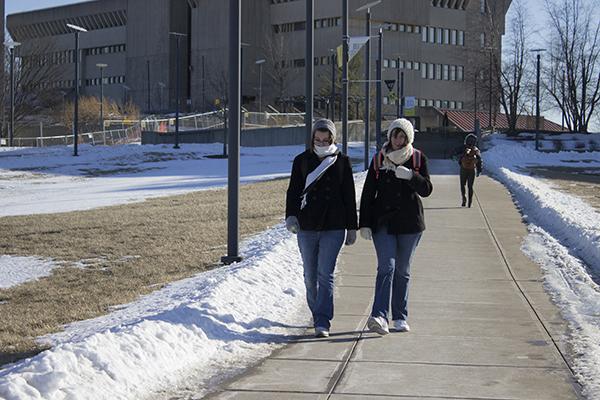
470, 202
464, 202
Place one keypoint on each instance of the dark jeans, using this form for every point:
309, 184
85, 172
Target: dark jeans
467, 176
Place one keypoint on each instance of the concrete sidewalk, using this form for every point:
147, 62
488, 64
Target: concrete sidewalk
482, 325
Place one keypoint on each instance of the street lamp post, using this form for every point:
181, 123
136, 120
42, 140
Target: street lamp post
11, 131
78, 30
233, 161
102, 66
333, 78
491, 50
367, 7
537, 98
260, 63
178, 36
309, 68
161, 87
378, 106
345, 38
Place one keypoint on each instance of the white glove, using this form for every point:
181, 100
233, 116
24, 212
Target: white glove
350, 237
404, 173
366, 233
292, 224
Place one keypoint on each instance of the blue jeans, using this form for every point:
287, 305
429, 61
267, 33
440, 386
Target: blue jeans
319, 250
394, 255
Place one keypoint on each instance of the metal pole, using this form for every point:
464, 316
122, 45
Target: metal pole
148, 83
367, 89
476, 115
76, 107
203, 87
398, 111
11, 131
490, 83
562, 120
102, 99
345, 78
260, 87
333, 77
378, 100
309, 68
401, 93
233, 162
177, 96
537, 105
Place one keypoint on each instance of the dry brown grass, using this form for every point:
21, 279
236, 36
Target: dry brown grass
170, 238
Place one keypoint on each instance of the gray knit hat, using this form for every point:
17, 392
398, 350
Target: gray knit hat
324, 124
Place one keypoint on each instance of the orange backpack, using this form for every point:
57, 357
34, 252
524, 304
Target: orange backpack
469, 158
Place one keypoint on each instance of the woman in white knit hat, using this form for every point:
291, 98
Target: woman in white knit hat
391, 214
321, 209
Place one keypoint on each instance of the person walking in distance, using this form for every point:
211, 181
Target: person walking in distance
470, 165
391, 214
321, 209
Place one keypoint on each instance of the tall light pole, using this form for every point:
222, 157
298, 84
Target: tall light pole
345, 39
333, 79
491, 50
367, 7
537, 98
77, 30
102, 66
233, 161
161, 87
309, 68
260, 63
378, 106
178, 36
11, 131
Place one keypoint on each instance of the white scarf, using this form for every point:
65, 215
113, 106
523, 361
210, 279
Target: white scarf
315, 175
324, 151
396, 157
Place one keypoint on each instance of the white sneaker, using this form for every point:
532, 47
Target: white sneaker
321, 332
401, 325
378, 324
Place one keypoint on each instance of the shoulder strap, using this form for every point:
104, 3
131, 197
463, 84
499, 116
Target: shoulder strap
377, 161
416, 160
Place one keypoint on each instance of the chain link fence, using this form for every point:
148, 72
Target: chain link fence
109, 138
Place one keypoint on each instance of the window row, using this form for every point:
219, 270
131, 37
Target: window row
454, 4
407, 28
281, 1
94, 51
442, 72
450, 104
454, 37
301, 25
108, 80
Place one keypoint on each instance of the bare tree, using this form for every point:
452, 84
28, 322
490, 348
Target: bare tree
37, 77
574, 46
278, 66
514, 75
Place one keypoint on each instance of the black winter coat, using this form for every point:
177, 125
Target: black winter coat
331, 202
393, 202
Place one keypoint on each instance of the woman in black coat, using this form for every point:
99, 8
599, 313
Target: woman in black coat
321, 209
391, 214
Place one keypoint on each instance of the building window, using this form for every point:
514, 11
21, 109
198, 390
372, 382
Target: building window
482, 6
431, 34
482, 39
402, 28
438, 71
424, 73
446, 36
386, 63
409, 65
422, 103
453, 72
393, 64
460, 73
452, 105
424, 34
438, 103
461, 38
445, 72
430, 71
439, 35
459, 105
430, 103
453, 37
401, 64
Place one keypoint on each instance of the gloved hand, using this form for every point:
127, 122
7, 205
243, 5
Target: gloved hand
292, 224
350, 237
403, 173
366, 233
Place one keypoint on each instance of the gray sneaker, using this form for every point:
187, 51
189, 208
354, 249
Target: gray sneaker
378, 324
401, 325
321, 332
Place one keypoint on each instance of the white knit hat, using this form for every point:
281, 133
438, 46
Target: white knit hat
405, 126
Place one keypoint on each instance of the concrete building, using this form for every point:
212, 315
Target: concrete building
442, 46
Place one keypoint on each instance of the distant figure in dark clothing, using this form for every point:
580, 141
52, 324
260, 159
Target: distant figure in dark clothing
469, 160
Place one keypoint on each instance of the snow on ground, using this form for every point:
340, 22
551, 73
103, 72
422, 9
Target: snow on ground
564, 239
189, 335
17, 270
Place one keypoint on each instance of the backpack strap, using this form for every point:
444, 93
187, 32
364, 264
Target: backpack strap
416, 160
377, 161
